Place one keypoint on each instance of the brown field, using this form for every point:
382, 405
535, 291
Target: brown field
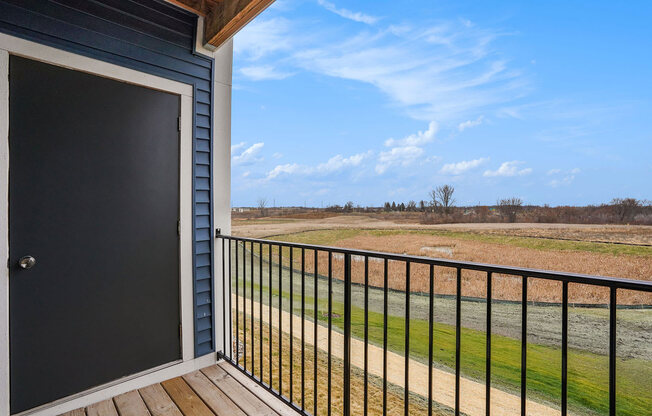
418, 405
273, 226
504, 244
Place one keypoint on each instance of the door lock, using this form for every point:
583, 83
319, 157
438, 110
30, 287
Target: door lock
26, 262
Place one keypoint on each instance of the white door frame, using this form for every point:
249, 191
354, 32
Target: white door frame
10, 45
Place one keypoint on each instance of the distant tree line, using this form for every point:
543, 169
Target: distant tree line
440, 207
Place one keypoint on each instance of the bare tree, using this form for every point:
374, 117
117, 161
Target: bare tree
442, 196
509, 207
262, 206
626, 208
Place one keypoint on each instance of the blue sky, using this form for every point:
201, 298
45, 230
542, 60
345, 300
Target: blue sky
378, 100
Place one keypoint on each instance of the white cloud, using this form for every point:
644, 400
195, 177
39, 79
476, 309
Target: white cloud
263, 37
567, 179
433, 72
333, 165
403, 156
462, 167
418, 139
236, 147
470, 123
347, 14
277, 155
264, 72
509, 169
279, 169
248, 155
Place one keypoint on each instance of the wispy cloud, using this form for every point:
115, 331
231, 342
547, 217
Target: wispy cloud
335, 164
418, 139
563, 178
248, 155
347, 14
509, 169
264, 72
444, 71
470, 123
262, 38
462, 167
236, 147
398, 156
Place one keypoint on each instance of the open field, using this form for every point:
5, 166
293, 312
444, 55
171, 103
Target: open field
588, 361
483, 243
619, 251
267, 227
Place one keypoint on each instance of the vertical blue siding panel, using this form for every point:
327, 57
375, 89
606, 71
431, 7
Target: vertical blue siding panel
115, 32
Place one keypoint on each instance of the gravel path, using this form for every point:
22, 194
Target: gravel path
473, 402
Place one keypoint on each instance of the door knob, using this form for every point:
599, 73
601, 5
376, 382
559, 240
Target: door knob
26, 262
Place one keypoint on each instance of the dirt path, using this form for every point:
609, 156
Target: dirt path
472, 392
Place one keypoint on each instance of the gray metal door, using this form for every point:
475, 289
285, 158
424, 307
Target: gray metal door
94, 250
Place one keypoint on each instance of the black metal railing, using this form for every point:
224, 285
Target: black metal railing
269, 265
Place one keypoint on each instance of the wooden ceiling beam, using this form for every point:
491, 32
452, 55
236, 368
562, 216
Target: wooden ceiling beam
227, 17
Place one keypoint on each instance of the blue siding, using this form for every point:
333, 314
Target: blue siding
154, 37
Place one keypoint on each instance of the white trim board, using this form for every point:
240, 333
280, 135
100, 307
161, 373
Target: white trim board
10, 45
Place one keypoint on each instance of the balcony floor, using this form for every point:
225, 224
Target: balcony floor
216, 390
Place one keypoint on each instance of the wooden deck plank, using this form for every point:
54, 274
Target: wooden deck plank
218, 402
246, 400
158, 402
76, 412
131, 404
186, 399
272, 401
103, 408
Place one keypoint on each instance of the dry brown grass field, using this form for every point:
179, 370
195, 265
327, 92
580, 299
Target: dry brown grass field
619, 251
418, 405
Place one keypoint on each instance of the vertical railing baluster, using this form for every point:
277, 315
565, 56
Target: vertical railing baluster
244, 301
430, 336
347, 335
303, 327
223, 298
564, 348
488, 348
330, 325
280, 320
366, 333
291, 362
315, 339
253, 326
230, 297
237, 306
524, 347
612, 351
260, 308
271, 304
385, 310
458, 339
406, 372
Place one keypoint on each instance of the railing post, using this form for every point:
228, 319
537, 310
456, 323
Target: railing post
347, 334
612, 351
